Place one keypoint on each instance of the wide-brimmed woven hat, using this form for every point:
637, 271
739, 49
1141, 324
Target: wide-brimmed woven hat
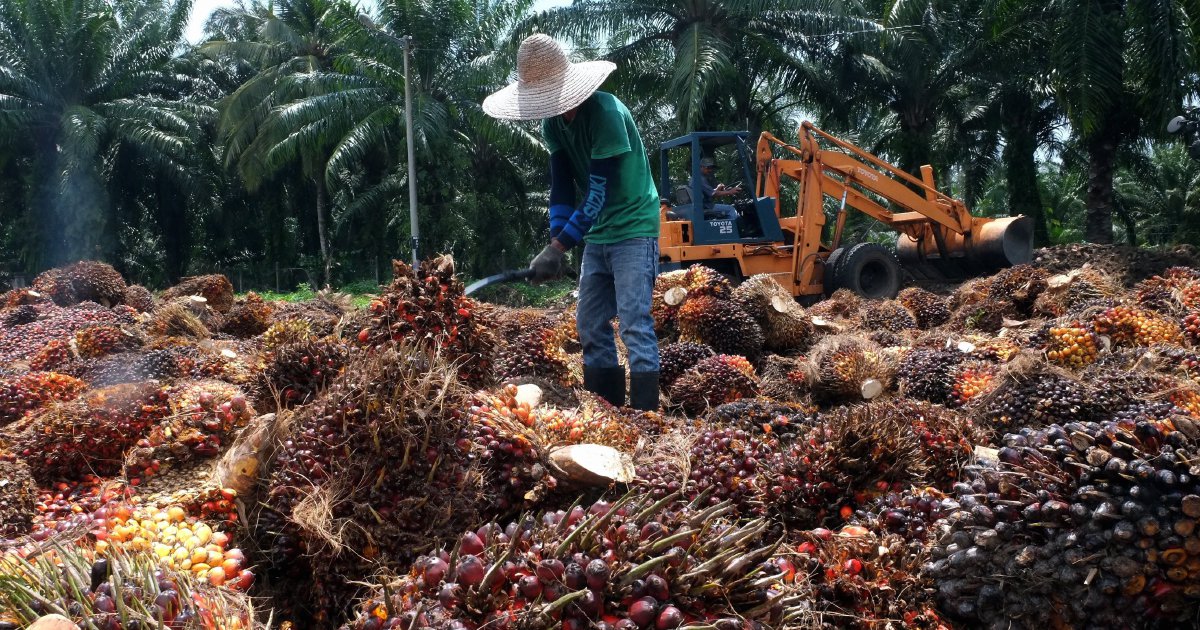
547, 83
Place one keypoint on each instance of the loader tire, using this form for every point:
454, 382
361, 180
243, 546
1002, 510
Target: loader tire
869, 270
830, 279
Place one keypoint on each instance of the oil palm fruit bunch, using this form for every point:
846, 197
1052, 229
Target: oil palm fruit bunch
162, 364
1089, 522
178, 319
592, 421
1072, 345
972, 378
91, 433
21, 297
724, 464
287, 331
98, 341
537, 352
204, 414
758, 415
113, 591
139, 298
249, 317
850, 368
499, 435
929, 374
1021, 284
675, 359
216, 289
714, 381
1168, 292
887, 315
1036, 397
54, 323
784, 323
786, 379
21, 395
674, 288
842, 303
1191, 327
1134, 326
853, 455
18, 498
930, 309
18, 315
56, 354
720, 324
296, 373
427, 307
625, 565
178, 541
369, 469
912, 513
864, 580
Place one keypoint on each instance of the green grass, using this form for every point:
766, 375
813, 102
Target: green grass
524, 294
360, 294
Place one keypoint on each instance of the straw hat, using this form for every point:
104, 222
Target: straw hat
547, 84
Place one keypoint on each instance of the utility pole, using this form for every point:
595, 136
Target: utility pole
412, 164
407, 43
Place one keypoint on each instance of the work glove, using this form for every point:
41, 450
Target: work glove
548, 265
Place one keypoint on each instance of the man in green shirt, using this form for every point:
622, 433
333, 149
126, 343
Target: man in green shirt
595, 149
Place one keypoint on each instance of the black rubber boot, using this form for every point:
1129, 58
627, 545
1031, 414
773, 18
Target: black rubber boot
643, 391
606, 382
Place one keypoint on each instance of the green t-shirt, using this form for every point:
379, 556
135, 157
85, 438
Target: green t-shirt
603, 128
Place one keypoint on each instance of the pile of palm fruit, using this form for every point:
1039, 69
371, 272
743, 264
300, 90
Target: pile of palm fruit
1018, 452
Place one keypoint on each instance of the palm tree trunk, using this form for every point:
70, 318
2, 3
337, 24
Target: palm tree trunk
1102, 154
1020, 165
326, 262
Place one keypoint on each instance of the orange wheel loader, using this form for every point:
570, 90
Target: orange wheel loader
938, 237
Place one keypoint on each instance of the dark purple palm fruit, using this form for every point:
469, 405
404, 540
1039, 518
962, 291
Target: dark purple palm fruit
597, 574
434, 570
550, 570
656, 587
574, 577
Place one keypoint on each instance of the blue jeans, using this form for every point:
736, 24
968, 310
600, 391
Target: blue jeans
617, 280
726, 212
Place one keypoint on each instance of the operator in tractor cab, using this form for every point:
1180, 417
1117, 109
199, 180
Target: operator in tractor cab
594, 146
711, 191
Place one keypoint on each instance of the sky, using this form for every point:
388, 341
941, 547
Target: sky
201, 9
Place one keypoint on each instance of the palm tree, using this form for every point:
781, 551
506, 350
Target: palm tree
291, 41
82, 81
719, 64
1157, 192
1120, 70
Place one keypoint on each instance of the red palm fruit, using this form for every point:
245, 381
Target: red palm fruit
670, 617
448, 595
471, 544
470, 570
550, 570
435, 570
530, 587
643, 611
626, 624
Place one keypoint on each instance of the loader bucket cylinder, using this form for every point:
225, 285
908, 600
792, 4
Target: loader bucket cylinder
993, 244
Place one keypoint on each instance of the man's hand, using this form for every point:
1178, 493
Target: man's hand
548, 265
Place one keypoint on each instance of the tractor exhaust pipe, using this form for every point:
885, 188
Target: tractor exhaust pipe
992, 245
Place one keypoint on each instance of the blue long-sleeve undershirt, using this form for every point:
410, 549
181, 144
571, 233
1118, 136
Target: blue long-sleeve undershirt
569, 224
